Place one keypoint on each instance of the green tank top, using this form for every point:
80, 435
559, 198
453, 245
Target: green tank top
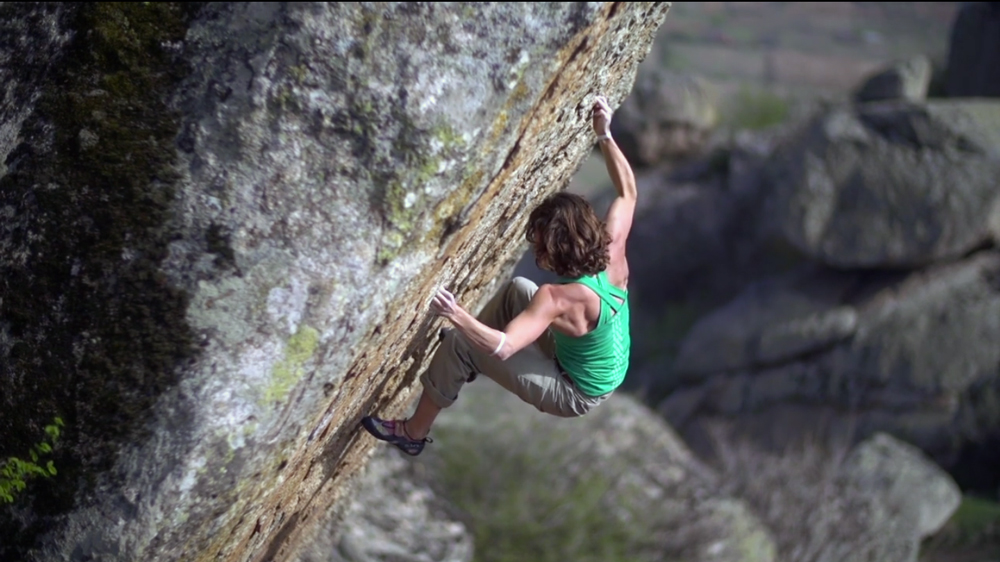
598, 360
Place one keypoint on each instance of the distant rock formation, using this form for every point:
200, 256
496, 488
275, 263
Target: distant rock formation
667, 116
221, 224
891, 185
887, 321
877, 500
904, 80
907, 353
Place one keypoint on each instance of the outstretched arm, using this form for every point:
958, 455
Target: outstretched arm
619, 220
518, 334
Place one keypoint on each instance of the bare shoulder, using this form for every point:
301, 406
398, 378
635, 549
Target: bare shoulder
550, 296
564, 295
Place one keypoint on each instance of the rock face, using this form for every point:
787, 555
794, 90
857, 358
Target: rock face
833, 503
974, 52
667, 116
915, 490
891, 185
905, 80
911, 354
393, 514
222, 223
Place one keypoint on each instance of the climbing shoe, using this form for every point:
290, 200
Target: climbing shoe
385, 430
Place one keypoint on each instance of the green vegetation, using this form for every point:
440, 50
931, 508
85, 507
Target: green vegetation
534, 499
975, 514
975, 523
15, 472
755, 109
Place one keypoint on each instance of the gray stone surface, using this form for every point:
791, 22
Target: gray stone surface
915, 489
827, 501
890, 184
393, 516
31, 38
771, 322
903, 80
920, 362
222, 229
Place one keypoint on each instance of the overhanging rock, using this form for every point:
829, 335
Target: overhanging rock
222, 227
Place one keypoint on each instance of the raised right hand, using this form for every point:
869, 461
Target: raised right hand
602, 116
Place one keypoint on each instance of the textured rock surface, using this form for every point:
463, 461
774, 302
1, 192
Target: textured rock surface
890, 184
920, 361
393, 515
31, 39
904, 80
832, 503
915, 489
221, 225
974, 52
771, 322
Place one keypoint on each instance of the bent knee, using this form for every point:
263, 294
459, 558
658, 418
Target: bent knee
523, 284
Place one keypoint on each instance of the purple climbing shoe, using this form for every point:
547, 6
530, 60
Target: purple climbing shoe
385, 430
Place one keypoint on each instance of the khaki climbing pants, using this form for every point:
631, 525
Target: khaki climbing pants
532, 373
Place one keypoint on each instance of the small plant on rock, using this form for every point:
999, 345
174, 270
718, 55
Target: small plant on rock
15, 472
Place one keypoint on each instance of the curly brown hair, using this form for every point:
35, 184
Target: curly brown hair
568, 237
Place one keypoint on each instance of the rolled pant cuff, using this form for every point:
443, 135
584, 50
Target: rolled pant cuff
439, 400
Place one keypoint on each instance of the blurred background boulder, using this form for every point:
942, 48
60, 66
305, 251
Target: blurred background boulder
903, 80
667, 116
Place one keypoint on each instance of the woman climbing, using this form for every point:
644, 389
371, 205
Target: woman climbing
562, 347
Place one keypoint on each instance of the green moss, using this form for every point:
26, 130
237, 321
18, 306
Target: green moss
99, 331
520, 93
450, 138
289, 370
399, 214
499, 126
368, 26
299, 72
403, 200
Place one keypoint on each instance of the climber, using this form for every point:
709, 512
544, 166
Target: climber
562, 347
